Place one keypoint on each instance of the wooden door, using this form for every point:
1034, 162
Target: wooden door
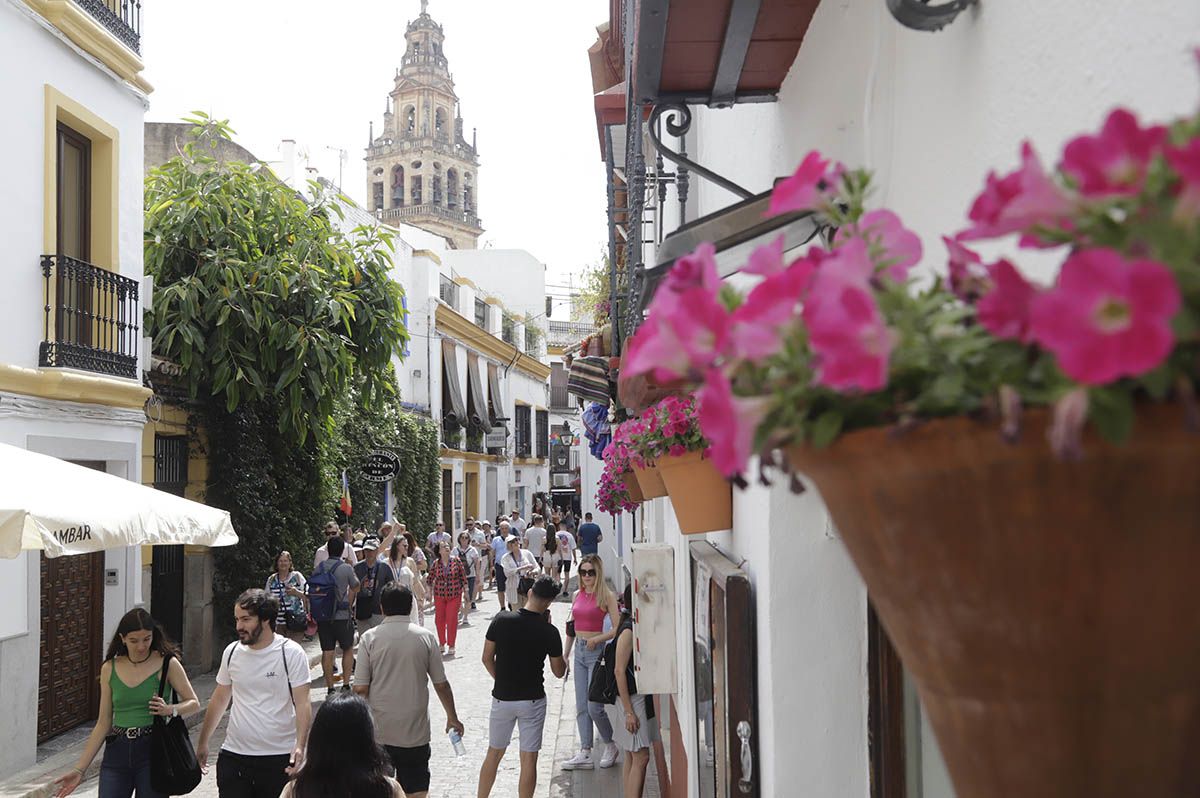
72, 622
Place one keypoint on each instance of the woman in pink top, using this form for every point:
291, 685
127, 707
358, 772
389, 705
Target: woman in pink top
593, 603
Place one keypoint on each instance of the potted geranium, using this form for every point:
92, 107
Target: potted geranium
1013, 467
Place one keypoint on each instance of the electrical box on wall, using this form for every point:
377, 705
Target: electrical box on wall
654, 650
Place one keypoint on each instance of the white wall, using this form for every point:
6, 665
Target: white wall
25, 42
513, 276
931, 113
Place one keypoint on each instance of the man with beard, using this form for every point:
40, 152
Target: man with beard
265, 676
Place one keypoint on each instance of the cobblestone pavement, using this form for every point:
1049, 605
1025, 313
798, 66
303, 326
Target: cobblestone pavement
458, 777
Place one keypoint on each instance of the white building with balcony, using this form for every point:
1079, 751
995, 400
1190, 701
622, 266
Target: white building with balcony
71, 349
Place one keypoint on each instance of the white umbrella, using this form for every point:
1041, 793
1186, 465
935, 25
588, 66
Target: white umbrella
63, 508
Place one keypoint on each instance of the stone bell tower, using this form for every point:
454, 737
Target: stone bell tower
421, 170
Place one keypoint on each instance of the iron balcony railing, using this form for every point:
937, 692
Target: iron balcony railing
91, 318
568, 333
560, 399
426, 210
122, 18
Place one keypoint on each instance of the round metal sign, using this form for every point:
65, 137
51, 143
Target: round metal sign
381, 466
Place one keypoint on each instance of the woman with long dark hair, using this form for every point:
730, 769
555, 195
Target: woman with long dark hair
129, 701
342, 757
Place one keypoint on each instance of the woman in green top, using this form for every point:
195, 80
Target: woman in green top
128, 700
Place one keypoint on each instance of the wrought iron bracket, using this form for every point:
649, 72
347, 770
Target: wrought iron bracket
927, 15
678, 121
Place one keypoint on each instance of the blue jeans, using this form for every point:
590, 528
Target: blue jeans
588, 712
126, 768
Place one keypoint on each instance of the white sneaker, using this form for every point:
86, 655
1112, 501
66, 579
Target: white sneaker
581, 761
450, 651
609, 757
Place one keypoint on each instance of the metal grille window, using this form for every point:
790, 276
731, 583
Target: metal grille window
524, 432
543, 433
171, 463
448, 291
558, 386
481, 316
508, 330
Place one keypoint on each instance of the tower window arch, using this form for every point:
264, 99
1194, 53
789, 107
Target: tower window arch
410, 120
468, 198
437, 188
415, 190
439, 123
452, 188
397, 186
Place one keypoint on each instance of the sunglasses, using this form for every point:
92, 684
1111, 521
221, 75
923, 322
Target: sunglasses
587, 571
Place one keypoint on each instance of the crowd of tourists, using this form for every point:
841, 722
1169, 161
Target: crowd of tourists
366, 597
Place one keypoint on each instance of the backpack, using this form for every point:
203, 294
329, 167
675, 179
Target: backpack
323, 600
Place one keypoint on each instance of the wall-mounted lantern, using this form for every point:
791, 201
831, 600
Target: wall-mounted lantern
927, 15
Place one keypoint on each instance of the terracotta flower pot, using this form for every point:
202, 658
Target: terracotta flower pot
1045, 609
631, 484
650, 480
702, 498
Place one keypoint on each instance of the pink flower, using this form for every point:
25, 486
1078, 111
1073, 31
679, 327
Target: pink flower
1004, 309
849, 264
682, 335
1114, 162
801, 191
1107, 317
757, 326
698, 269
894, 248
968, 278
729, 423
848, 335
677, 450
767, 259
1018, 202
1186, 163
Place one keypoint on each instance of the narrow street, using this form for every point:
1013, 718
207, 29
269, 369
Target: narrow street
458, 777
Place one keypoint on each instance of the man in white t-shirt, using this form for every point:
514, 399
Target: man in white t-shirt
516, 523
435, 539
322, 554
535, 538
265, 677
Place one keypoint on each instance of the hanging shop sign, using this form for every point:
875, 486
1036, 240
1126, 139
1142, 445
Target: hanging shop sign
381, 466
496, 437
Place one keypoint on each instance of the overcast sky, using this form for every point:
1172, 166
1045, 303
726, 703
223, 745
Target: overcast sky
320, 72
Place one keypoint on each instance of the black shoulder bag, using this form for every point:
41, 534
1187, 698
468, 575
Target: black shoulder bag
602, 689
174, 769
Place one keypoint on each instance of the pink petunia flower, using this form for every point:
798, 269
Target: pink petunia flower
697, 269
1004, 309
1114, 162
1018, 202
757, 327
1186, 163
683, 335
1107, 317
848, 335
968, 278
766, 259
728, 422
893, 248
801, 191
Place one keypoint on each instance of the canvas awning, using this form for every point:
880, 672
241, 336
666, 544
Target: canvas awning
476, 403
497, 398
64, 508
457, 408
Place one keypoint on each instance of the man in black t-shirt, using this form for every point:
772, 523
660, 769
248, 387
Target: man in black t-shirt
515, 654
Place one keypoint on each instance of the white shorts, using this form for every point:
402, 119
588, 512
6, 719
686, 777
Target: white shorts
647, 732
528, 716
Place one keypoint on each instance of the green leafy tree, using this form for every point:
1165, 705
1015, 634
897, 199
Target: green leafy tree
258, 291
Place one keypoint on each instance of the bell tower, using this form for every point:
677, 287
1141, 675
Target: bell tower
421, 170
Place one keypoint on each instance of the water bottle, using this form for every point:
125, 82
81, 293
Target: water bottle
457, 743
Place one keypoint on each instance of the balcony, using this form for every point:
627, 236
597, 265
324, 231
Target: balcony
568, 333
427, 210
91, 318
121, 18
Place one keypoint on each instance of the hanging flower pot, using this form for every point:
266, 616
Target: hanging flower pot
631, 485
649, 479
1043, 607
702, 498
